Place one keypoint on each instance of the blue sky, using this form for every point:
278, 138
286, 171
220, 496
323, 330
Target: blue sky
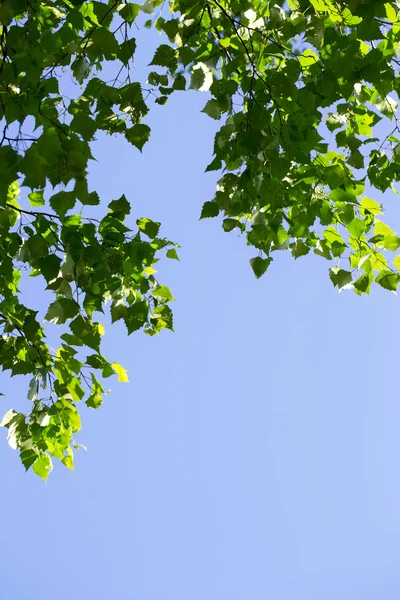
256, 451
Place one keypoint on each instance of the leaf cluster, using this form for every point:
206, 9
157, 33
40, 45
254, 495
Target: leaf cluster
303, 90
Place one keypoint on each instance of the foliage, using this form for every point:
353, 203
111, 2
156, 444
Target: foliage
301, 85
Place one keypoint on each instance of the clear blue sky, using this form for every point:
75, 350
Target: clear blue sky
256, 452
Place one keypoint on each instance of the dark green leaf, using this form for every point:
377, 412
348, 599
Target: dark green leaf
165, 56
260, 265
62, 202
210, 209
340, 278
121, 205
28, 457
138, 135
388, 280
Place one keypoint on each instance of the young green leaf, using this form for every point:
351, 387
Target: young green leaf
43, 466
121, 372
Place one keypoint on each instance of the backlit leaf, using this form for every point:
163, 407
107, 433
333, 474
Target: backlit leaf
212, 109
121, 372
42, 466
202, 77
129, 12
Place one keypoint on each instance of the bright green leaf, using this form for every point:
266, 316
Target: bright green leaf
42, 466
121, 372
162, 293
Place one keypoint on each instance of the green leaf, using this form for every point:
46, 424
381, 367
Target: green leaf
91, 199
356, 159
42, 466
62, 202
136, 316
388, 106
61, 310
68, 461
363, 283
81, 69
230, 224
94, 400
321, 5
179, 82
212, 109
202, 78
322, 249
391, 13
371, 206
165, 56
260, 265
33, 168
340, 195
210, 209
334, 122
149, 227
162, 293
172, 253
50, 266
214, 165
121, 372
356, 227
161, 319
33, 389
340, 278
299, 248
75, 389
391, 242
28, 457
138, 135
8, 418
36, 247
388, 280
148, 6
382, 229
36, 198
162, 100
68, 458
126, 50
44, 419
120, 205
396, 262
118, 310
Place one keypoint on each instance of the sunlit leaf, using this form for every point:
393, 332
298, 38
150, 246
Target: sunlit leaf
121, 372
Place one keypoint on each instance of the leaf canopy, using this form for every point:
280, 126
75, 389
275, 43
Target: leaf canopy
303, 91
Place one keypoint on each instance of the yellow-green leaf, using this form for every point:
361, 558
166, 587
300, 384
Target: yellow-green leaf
121, 372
